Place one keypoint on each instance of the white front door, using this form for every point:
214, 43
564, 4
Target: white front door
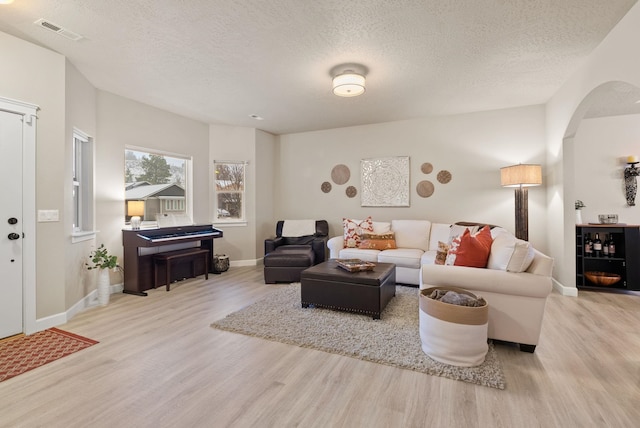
11, 224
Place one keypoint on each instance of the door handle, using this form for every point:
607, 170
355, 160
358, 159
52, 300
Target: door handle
13, 236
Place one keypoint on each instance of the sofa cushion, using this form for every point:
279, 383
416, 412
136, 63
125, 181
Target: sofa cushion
471, 250
381, 227
402, 257
353, 229
429, 257
412, 233
382, 241
509, 253
357, 253
439, 232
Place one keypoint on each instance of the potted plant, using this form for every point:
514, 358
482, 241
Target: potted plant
579, 206
101, 259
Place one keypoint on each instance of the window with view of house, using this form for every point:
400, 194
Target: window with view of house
82, 183
156, 186
229, 191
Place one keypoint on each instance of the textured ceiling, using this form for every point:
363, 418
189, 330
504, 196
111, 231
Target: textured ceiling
221, 61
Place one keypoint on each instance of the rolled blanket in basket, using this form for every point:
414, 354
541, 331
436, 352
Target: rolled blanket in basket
453, 334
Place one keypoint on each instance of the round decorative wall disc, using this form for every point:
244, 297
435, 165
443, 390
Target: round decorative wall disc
340, 174
351, 191
424, 188
325, 187
444, 176
426, 168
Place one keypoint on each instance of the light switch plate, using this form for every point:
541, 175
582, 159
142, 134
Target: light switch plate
48, 215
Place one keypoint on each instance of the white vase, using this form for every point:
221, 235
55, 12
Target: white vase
578, 217
103, 287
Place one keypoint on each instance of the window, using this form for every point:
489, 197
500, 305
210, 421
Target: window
229, 191
82, 183
156, 185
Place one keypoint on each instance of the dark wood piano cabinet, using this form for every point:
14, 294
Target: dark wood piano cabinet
141, 245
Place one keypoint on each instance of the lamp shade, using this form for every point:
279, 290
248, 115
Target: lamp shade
348, 84
521, 175
135, 208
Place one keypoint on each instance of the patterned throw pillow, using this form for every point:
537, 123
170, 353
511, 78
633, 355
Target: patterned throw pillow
471, 251
382, 241
441, 254
353, 229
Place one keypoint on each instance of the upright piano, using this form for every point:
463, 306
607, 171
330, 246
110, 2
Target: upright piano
140, 246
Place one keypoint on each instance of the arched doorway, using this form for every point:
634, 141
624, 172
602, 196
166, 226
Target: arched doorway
611, 110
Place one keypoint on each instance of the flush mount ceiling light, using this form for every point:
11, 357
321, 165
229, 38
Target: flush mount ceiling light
348, 84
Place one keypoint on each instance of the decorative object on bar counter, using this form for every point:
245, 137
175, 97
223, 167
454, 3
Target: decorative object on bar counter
579, 206
630, 181
608, 218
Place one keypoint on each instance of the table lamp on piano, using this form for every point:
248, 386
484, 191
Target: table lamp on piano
135, 209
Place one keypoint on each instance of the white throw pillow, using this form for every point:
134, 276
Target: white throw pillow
456, 230
412, 233
509, 253
523, 255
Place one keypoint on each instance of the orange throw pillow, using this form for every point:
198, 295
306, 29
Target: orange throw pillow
382, 241
473, 250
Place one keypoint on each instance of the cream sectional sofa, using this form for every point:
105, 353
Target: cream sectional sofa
516, 282
417, 242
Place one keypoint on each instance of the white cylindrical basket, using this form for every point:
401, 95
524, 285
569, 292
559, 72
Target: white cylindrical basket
452, 334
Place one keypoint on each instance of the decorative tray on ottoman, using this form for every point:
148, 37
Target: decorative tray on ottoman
355, 265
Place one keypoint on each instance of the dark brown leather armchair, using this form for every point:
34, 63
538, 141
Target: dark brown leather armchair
317, 241
285, 257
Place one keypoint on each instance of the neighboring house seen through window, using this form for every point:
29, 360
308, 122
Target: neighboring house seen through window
229, 191
157, 183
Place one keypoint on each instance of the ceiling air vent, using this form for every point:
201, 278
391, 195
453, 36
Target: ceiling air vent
58, 29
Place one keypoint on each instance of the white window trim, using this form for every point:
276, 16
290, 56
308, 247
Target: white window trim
233, 222
86, 209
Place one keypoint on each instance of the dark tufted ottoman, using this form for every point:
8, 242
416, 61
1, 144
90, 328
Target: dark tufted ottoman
330, 286
285, 263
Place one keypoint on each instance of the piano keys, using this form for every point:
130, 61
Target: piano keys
140, 246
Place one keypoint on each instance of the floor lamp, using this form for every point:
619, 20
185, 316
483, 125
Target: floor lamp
521, 176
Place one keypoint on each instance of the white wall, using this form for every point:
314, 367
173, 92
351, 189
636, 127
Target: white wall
266, 171
123, 122
602, 147
81, 114
36, 75
229, 143
615, 59
473, 147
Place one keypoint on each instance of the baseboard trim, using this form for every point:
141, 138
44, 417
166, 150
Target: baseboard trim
565, 291
240, 263
88, 301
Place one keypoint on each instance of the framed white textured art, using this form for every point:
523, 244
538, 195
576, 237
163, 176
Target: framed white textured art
385, 182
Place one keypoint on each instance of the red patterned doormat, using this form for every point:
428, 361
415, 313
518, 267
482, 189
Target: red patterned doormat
23, 353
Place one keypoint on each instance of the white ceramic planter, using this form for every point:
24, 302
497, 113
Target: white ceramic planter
103, 287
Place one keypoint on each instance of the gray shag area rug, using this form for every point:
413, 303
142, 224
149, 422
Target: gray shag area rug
393, 340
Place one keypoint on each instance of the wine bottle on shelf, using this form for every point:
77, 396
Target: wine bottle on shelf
597, 246
588, 245
605, 246
612, 247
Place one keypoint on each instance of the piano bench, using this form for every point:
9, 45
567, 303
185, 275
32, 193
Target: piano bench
171, 256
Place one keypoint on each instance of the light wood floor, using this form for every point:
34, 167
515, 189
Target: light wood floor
159, 364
